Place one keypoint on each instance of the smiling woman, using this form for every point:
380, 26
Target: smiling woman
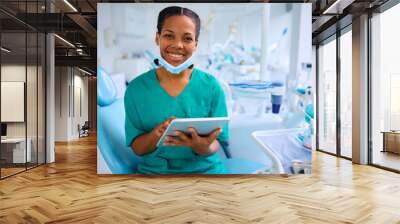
178, 32
175, 89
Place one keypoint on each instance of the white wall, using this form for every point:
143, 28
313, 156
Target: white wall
61, 103
80, 83
67, 115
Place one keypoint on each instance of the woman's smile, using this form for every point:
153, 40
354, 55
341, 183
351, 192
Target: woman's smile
175, 56
177, 39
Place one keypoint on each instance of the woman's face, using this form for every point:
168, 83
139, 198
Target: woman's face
177, 39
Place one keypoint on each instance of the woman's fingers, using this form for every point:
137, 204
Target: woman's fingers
182, 136
170, 141
193, 133
182, 139
214, 134
167, 122
164, 125
174, 141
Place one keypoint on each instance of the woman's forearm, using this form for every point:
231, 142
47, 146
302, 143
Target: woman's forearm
145, 144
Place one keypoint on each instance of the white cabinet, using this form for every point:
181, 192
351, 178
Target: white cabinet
18, 149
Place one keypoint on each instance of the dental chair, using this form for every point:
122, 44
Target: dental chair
114, 157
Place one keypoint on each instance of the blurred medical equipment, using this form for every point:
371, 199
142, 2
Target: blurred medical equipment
276, 98
285, 149
278, 65
240, 68
299, 166
304, 103
306, 110
252, 101
308, 134
296, 87
258, 90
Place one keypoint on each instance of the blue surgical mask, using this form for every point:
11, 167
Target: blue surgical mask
175, 69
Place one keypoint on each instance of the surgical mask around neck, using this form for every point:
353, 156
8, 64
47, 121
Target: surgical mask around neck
174, 69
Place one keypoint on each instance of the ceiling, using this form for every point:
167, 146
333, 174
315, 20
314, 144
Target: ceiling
332, 15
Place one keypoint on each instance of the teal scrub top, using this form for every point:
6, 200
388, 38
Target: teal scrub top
147, 105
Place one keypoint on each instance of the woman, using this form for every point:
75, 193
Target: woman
175, 89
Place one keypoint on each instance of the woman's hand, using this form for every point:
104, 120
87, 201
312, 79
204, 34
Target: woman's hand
203, 145
160, 129
146, 143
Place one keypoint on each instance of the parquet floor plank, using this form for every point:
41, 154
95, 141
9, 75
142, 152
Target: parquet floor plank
70, 191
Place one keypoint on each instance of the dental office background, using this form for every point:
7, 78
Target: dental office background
260, 53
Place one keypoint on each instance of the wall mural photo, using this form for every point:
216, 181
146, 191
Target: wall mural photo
205, 89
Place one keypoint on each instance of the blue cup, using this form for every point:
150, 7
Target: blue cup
276, 101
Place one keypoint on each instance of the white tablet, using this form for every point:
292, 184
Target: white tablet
203, 126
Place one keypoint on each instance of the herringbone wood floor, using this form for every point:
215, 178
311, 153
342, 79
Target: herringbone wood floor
70, 191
